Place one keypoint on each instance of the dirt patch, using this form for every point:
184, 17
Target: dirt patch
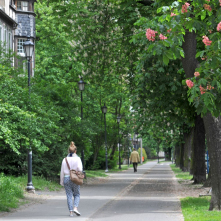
186, 188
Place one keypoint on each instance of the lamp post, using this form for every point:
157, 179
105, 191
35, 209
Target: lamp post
104, 110
28, 49
158, 155
118, 121
81, 85
137, 139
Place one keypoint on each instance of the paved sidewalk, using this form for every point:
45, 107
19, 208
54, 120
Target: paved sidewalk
148, 194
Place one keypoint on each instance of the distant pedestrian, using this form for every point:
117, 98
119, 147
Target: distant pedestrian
135, 159
71, 188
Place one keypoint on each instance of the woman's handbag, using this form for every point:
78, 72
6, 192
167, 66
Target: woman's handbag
75, 176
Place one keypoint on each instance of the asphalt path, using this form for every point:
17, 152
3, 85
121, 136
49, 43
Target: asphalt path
146, 195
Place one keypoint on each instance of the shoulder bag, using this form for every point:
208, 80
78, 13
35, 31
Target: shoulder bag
75, 176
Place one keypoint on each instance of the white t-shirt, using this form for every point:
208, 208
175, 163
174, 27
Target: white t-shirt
74, 163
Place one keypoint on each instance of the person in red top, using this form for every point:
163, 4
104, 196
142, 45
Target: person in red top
71, 188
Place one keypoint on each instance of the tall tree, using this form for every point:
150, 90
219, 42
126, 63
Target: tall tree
192, 29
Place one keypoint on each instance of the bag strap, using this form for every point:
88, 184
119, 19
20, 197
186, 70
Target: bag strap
67, 163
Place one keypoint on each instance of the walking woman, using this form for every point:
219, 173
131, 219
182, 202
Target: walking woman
71, 188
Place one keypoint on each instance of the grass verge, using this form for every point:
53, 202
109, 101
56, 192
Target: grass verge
101, 173
12, 189
96, 173
195, 208
180, 175
10, 192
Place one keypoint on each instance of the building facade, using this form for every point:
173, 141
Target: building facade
7, 24
17, 24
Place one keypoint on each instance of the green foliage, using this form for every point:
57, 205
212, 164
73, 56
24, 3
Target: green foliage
143, 153
204, 23
105, 43
87, 51
195, 209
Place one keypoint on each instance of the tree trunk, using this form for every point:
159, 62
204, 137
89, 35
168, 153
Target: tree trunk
190, 63
189, 47
199, 168
188, 146
208, 180
213, 136
177, 155
181, 156
168, 154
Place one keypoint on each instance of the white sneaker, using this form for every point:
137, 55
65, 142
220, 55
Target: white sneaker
71, 214
76, 212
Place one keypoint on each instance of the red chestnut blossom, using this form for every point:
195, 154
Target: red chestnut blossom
206, 40
151, 34
189, 83
207, 7
162, 37
208, 0
196, 74
202, 90
169, 30
218, 27
172, 14
209, 87
210, 31
185, 7
220, 2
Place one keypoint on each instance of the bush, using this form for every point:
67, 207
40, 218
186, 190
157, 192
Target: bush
100, 162
143, 153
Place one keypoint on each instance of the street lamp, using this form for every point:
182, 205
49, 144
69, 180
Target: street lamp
118, 121
28, 49
81, 85
104, 110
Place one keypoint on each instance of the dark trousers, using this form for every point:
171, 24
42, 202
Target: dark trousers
135, 167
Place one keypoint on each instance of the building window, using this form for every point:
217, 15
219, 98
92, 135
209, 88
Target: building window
20, 48
9, 41
6, 38
22, 6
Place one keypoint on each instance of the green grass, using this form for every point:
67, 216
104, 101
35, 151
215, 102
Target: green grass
10, 192
196, 209
96, 173
163, 161
40, 183
12, 189
101, 173
180, 174
123, 167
